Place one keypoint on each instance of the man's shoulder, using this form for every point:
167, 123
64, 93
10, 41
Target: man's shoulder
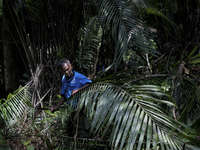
79, 75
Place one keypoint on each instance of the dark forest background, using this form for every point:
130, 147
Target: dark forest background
147, 50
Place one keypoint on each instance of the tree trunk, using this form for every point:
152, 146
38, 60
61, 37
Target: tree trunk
9, 49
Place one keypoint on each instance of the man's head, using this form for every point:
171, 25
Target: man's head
66, 67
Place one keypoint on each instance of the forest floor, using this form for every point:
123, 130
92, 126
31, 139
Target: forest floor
16, 144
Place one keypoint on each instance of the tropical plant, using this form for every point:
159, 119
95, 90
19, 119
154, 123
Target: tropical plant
132, 117
130, 109
16, 106
179, 47
90, 42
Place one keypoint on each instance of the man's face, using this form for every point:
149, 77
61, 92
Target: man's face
67, 70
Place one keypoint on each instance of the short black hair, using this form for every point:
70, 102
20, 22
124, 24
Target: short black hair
62, 62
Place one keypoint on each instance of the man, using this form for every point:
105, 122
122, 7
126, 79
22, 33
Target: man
72, 82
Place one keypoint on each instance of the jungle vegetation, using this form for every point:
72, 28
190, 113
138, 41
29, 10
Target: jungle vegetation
142, 56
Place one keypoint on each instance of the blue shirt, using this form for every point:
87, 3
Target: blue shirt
76, 81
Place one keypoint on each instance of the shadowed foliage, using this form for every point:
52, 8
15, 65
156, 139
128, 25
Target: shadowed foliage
145, 90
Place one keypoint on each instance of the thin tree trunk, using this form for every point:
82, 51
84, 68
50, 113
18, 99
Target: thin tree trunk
9, 50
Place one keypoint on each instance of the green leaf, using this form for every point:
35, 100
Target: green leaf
193, 51
131, 118
25, 143
195, 61
14, 108
30, 147
49, 112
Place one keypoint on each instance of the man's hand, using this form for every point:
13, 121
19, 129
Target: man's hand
53, 109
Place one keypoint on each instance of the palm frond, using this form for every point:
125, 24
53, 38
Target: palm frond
184, 90
118, 17
132, 119
63, 51
16, 106
90, 37
34, 7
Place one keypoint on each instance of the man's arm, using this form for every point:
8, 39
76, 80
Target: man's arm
73, 92
62, 100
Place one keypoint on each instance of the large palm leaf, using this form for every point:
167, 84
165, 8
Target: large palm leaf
132, 118
119, 18
90, 41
